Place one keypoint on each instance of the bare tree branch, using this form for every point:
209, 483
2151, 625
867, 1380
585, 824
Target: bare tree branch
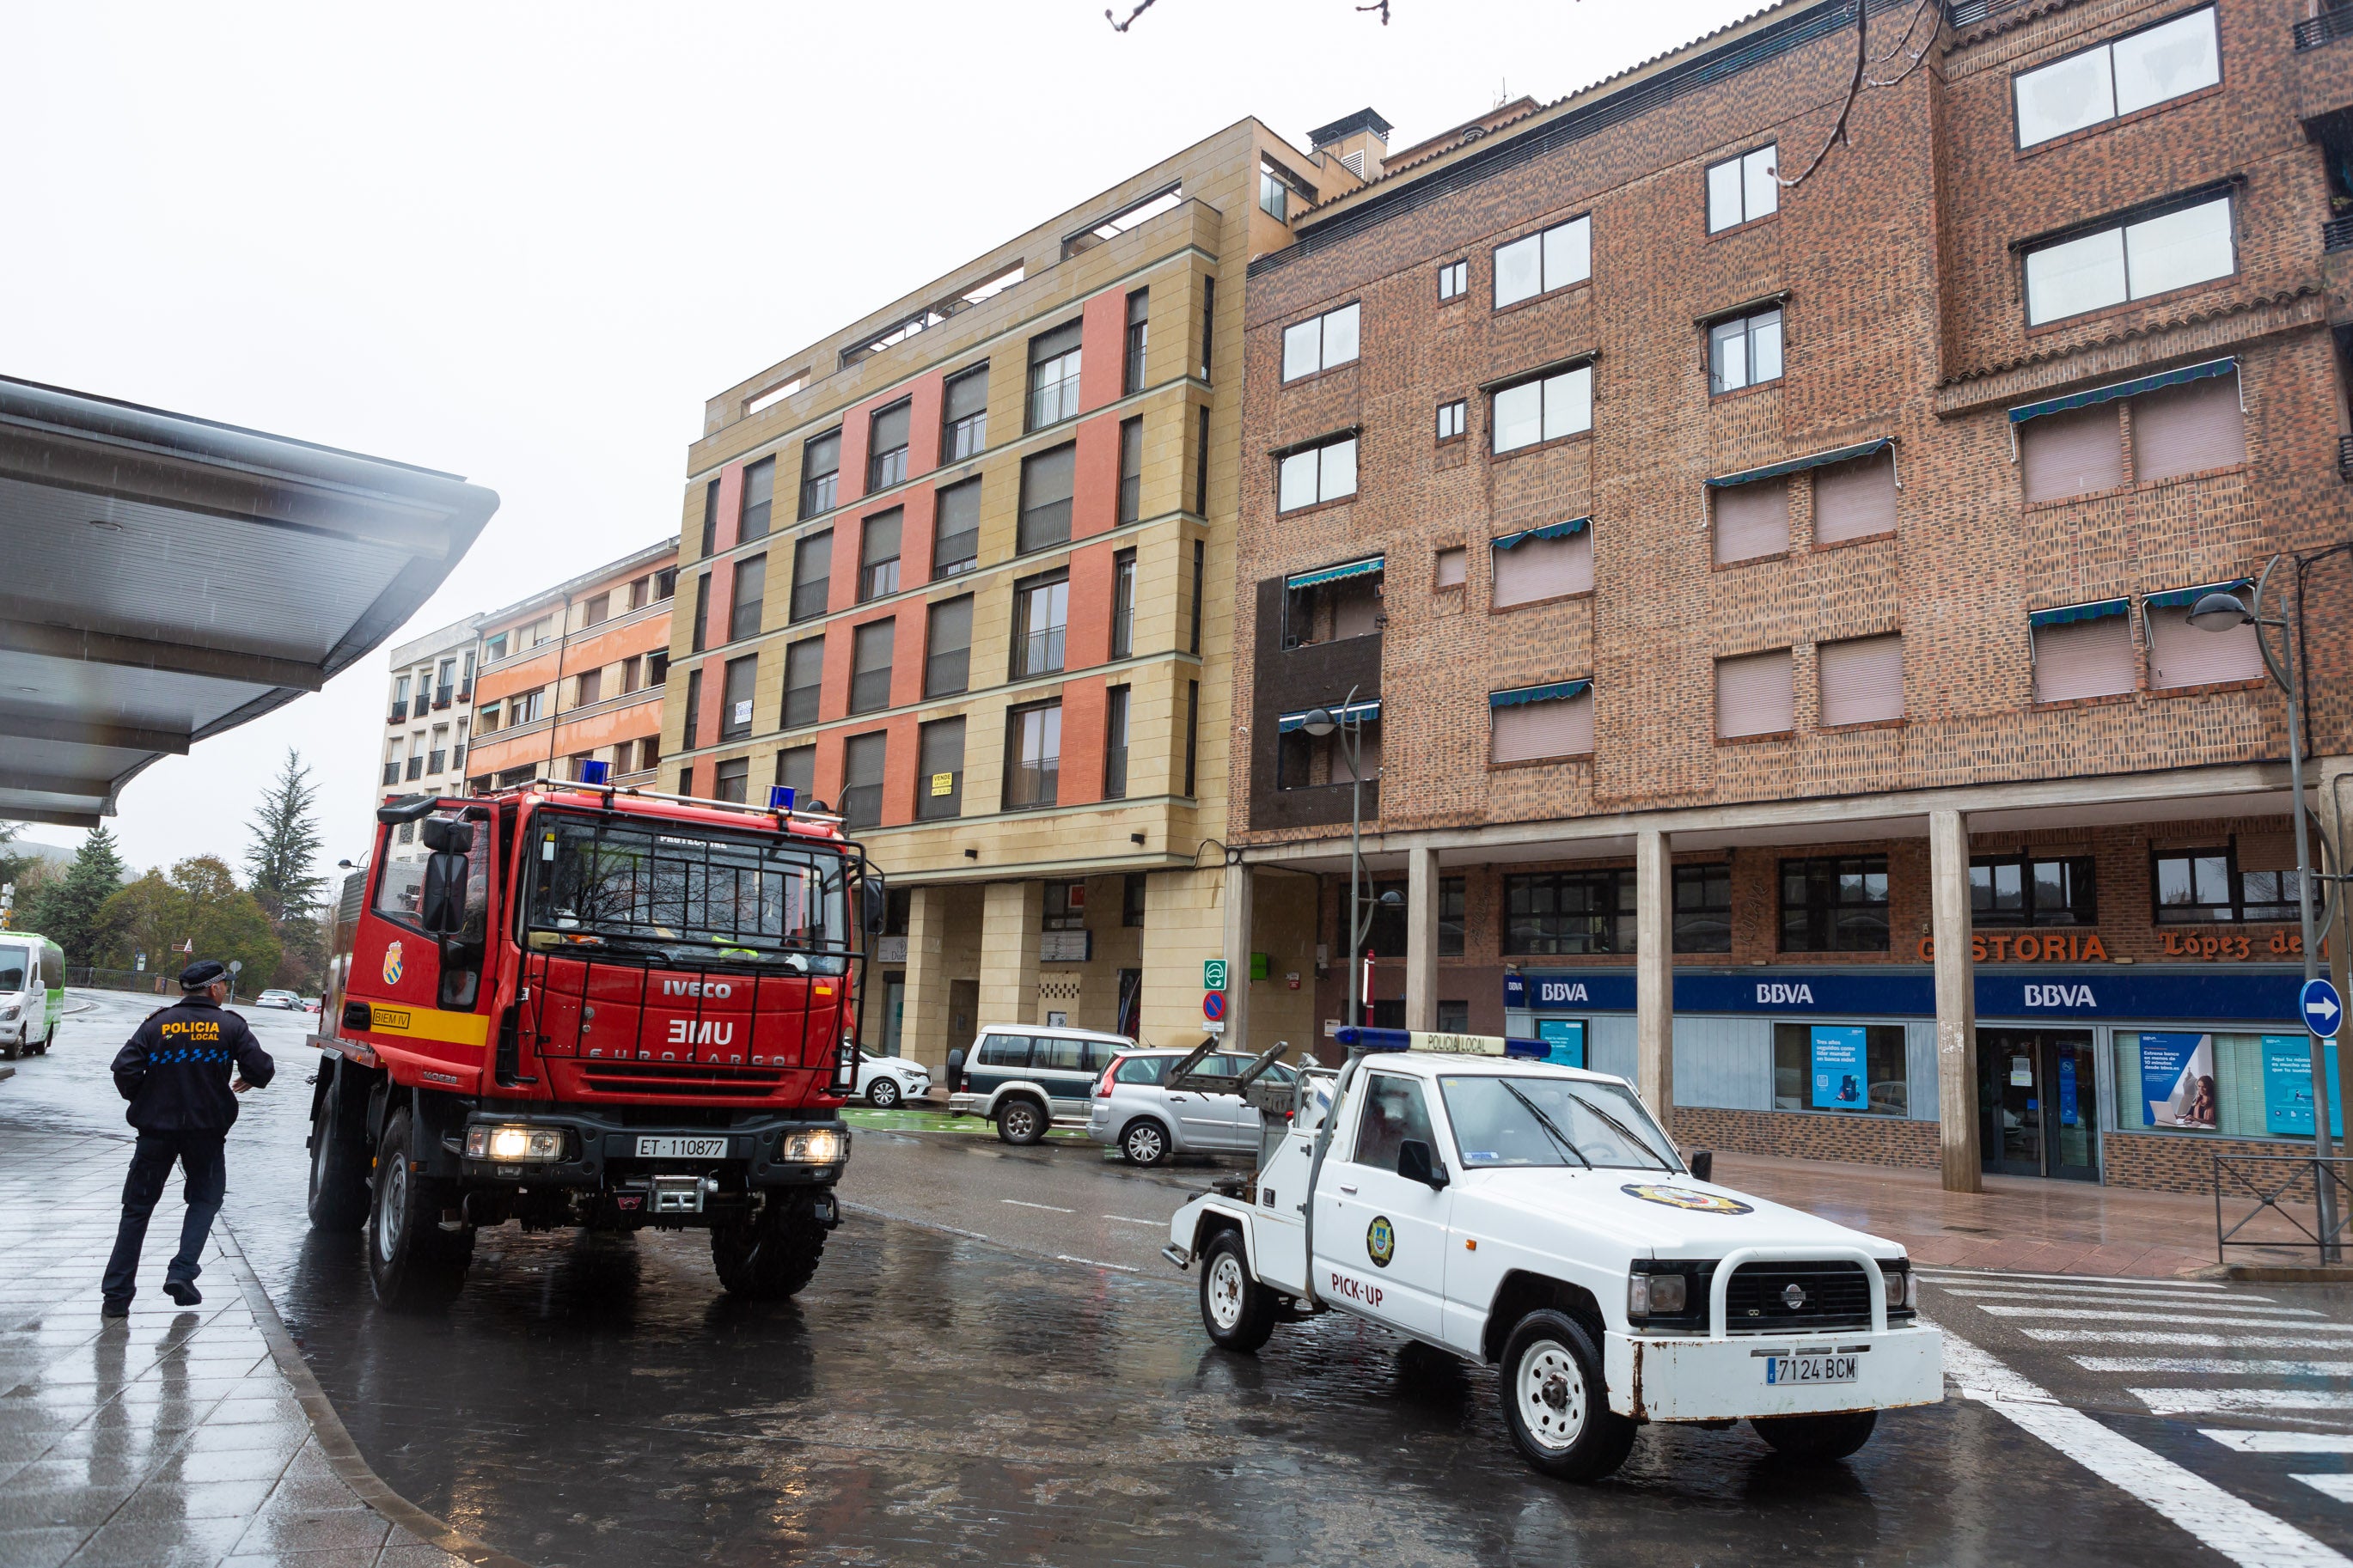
1861, 81
1119, 26
1380, 5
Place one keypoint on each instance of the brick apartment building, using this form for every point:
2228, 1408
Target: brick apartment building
1723, 572
431, 710
960, 571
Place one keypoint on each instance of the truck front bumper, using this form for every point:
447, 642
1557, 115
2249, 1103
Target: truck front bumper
599, 1152
1655, 1378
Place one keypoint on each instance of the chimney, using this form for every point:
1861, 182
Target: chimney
1358, 142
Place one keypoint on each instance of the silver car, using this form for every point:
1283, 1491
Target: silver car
1146, 1122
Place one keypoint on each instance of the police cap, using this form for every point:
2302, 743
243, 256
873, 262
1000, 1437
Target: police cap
202, 972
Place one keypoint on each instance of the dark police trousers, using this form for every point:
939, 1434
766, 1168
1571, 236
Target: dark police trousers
200, 1155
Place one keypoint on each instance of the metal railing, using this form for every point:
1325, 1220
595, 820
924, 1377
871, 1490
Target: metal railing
2344, 457
2327, 28
399, 711
2279, 1194
2337, 234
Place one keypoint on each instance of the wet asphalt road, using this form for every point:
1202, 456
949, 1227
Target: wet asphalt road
953, 1388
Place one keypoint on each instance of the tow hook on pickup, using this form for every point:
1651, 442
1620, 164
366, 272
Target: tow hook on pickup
1177, 1256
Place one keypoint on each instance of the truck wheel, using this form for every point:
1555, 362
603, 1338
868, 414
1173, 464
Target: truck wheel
882, 1093
339, 1173
1144, 1142
412, 1261
1817, 1439
770, 1258
1555, 1401
1237, 1310
1021, 1122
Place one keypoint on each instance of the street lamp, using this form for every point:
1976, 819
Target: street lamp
1350, 724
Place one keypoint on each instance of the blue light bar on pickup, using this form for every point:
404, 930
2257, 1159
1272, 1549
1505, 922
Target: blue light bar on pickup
1370, 1040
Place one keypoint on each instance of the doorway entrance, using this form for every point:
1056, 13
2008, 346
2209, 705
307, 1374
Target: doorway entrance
2036, 1103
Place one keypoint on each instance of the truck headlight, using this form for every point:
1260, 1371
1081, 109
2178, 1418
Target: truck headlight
815, 1146
1662, 1294
1903, 1289
527, 1145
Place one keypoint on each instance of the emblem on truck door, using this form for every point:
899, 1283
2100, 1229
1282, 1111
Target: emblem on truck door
1381, 1240
1684, 1198
392, 964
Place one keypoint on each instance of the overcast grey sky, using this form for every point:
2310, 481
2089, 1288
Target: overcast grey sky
525, 243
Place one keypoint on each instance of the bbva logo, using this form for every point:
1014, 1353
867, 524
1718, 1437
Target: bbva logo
1785, 995
1562, 991
2060, 996
696, 988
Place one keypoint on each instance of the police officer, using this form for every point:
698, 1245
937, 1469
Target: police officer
175, 1073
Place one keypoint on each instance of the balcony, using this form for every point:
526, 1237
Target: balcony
2326, 28
2322, 77
466, 693
442, 698
433, 764
392, 772
399, 712
2337, 234
2344, 457
416, 768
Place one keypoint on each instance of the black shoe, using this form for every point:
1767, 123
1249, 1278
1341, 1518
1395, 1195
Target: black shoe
184, 1291
116, 1306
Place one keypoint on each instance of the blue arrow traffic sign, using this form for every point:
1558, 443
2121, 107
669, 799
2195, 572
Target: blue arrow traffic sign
2323, 1010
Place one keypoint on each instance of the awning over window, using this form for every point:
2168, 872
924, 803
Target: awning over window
1549, 531
2091, 612
2134, 388
1819, 460
1364, 712
1558, 690
1365, 568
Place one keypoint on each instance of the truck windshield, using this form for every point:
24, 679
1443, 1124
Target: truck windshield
679, 893
15, 963
1501, 1122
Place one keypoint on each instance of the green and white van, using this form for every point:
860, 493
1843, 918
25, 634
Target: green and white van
32, 992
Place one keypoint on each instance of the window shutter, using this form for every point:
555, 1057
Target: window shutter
2271, 851
2182, 429
2084, 659
1453, 566
1862, 680
968, 395
1526, 732
1855, 500
2181, 655
1752, 520
1543, 569
879, 540
2072, 454
1754, 694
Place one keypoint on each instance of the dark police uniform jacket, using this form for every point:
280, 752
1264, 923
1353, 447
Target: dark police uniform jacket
175, 1069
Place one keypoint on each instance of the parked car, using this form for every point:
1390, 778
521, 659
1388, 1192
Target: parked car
285, 999
1132, 1112
884, 1081
310, 1003
1029, 1077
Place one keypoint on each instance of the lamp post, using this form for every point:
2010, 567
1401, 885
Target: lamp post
1350, 724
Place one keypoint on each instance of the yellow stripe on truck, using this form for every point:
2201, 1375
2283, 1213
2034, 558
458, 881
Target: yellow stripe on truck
428, 1024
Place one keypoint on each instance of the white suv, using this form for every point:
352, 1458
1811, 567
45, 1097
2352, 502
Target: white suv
1147, 1122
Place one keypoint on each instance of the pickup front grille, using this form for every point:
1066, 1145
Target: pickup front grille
1830, 1294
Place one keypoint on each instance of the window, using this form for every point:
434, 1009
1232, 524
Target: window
1033, 755
628, 669
1754, 694
1452, 891
639, 590
877, 554
1558, 256
485, 720
886, 461
2252, 878
955, 533
1534, 724
1065, 907
964, 418
1568, 912
657, 667
649, 752
1201, 460
2171, 248
1139, 314
751, 586
694, 709
1841, 1066
1545, 563
1744, 352
804, 682
1200, 554
1116, 743
1450, 568
1131, 468
2081, 650
1702, 907
812, 574
1302, 760
494, 650
2024, 891
1453, 418
2180, 655
1334, 609
1320, 342
1742, 190
776, 395
665, 584
1045, 481
759, 501
710, 517
1861, 680
1453, 280
529, 707
1054, 376
2188, 428
685, 778
2120, 77
1395, 1114
796, 770
588, 690
1544, 409
701, 612
820, 472
1834, 904
1319, 474
1752, 521
735, 697
939, 770
1273, 194
1385, 932
947, 648
1132, 892
1041, 613
1192, 730
1123, 605
1855, 499
870, 659
1129, 217
861, 779
2074, 453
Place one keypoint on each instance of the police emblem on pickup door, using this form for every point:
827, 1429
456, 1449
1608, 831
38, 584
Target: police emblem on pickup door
1684, 1198
1381, 1240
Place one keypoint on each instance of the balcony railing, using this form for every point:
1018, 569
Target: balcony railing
392, 772
399, 712
2327, 28
441, 697
466, 693
417, 767
2344, 457
2337, 234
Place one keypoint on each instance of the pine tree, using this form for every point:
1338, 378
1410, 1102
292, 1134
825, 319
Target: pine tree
67, 911
279, 870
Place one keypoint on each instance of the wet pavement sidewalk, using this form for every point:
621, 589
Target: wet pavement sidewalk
174, 1437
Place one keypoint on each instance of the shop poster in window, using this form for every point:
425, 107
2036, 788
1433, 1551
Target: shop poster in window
2288, 1085
1840, 1078
1567, 1039
2177, 1081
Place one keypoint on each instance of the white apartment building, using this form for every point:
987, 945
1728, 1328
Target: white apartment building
429, 713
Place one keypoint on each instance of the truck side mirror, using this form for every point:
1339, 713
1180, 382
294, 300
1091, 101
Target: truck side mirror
442, 909
874, 905
1415, 1164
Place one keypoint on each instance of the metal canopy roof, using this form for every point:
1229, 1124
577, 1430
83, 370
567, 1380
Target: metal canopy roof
163, 579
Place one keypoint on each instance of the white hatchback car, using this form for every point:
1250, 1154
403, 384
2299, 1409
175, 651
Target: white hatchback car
1132, 1112
884, 1081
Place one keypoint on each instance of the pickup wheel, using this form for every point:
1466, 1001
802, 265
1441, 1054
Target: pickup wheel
1145, 1142
1817, 1439
1237, 1310
1555, 1401
772, 1256
339, 1196
412, 1261
1022, 1122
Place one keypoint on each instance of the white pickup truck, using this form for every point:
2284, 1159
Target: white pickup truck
1533, 1217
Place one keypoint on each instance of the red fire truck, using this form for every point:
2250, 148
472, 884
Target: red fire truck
592, 1007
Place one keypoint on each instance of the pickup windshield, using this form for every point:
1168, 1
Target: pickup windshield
1501, 1122
684, 894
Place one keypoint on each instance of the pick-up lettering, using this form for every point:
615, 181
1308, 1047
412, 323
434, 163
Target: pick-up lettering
1356, 1290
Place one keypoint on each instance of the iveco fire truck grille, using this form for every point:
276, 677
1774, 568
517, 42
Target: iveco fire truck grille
628, 1077
1785, 1298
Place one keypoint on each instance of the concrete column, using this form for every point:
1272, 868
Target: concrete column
1237, 906
1421, 938
923, 1027
1010, 915
2337, 830
1655, 977
1956, 1002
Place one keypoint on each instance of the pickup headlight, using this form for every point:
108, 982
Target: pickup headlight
1666, 1294
1903, 1287
526, 1145
816, 1146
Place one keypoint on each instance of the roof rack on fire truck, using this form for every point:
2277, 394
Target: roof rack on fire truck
780, 807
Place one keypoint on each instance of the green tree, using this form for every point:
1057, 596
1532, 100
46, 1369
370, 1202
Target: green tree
280, 871
12, 866
199, 903
68, 910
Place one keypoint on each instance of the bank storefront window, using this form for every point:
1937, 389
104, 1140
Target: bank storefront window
1834, 903
1841, 1066
1569, 912
2238, 1085
2024, 891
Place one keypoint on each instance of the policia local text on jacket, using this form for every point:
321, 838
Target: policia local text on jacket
175, 1073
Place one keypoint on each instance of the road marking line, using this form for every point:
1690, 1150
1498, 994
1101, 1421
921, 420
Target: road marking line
2234, 1401
1994, 1275
2223, 1365
1127, 1219
2183, 1342
1095, 1263
2224, 1521
2282, 1318
2338, 1486
2281, 1442
2108, 1295
1049, 1207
